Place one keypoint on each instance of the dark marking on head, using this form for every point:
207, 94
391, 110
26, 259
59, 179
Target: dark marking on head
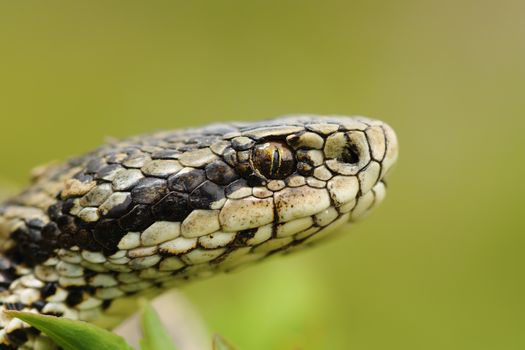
108, 234
137, 219
204, 195
173, 207
220, 173
149, 190
185, 182
350, 153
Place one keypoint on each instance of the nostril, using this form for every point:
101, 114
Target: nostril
349, 155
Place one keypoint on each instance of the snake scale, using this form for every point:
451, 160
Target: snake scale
152, 211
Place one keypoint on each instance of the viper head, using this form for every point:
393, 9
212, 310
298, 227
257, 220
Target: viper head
189, 202
295, 179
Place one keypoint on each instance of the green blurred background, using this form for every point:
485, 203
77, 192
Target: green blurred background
439, 266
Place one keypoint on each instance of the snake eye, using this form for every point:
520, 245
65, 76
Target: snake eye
273, 160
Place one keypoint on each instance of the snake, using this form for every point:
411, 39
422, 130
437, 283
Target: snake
150, 212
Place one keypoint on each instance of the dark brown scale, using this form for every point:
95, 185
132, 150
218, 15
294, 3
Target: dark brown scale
50, 231
33, 235
14, 306
83, 177
20, 235
55, 211
88, 273
166, 154
108, 234
67, 205
149, 190
137, 219
220, 173
32, 331
47, 246
114, 158
17, 336
105, 171
66, 224
230, 156
65, 241
95, 165
253, 180
241, 146
47, 249
186, 182
234, 186
38, 253
106, 304
35, 223
173, 207
85, 240
7, 276
39, 305
204, 195
28, 248
121, 209
75, 296
48, 290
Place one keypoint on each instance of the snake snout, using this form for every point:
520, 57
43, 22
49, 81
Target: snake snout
391, 146
360, 158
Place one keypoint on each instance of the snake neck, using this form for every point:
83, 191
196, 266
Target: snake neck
21, 291
36, 276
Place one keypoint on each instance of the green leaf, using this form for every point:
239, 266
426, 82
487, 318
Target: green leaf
219, 343
73, 335
156, 336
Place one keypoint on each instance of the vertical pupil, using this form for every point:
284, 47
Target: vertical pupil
273, 160
276, 161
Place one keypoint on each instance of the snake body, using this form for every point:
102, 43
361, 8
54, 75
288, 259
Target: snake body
153, 211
